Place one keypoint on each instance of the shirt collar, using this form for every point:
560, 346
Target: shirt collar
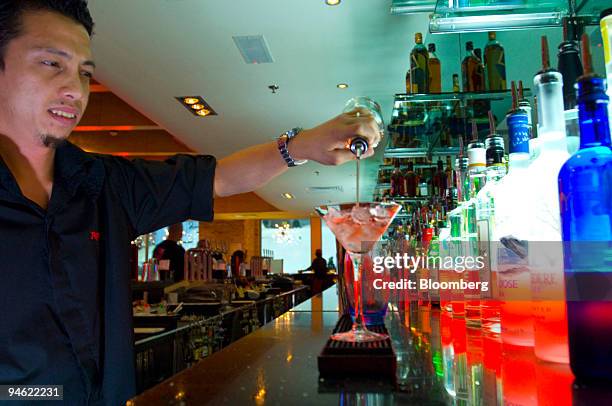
73, 167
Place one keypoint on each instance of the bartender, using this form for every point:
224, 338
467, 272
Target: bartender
67, 217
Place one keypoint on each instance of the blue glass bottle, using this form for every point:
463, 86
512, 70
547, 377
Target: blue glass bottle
585, 197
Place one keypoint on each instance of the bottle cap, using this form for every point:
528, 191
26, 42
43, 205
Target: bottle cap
469, 46
418, 38
492, 35
431, 47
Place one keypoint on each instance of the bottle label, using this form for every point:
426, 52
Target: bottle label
518, 130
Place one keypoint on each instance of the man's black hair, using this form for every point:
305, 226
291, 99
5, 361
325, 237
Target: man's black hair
11, 14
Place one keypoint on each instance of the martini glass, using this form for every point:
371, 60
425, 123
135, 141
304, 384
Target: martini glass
358, 226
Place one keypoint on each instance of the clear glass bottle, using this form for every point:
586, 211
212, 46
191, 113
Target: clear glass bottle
585, 197
545, 254
509, 233
477, 178
485, 213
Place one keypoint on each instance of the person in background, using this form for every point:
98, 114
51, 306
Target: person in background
319, 267
171, 255
238, 265
67, 217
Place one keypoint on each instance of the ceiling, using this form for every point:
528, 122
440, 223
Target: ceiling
150, 51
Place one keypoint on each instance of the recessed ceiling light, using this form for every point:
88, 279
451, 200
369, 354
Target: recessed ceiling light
288, 196
197, 105
332, 2
341, 85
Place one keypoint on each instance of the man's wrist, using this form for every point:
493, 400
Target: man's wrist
288, 140
296, 147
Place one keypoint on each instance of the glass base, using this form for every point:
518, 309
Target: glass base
359, 336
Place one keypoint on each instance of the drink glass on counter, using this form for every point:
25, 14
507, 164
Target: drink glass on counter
358, 227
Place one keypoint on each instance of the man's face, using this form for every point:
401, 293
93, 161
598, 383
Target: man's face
44, 88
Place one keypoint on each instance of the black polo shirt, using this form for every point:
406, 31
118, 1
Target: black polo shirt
65, 300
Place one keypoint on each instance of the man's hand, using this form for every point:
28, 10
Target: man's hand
251, 168
328, 143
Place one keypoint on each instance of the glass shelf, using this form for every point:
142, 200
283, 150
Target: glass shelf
400, 7
420, 152
419, 199
429, 125
454, 96
589, 10
492, 15
403, 167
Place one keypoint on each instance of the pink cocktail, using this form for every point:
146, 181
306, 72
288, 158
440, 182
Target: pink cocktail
358, 226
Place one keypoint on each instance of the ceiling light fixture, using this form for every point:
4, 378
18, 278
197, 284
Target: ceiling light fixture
288, 196
341, 85
203, 112
332, 2
196, 105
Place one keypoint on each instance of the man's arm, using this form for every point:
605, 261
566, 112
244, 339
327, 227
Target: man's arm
253, 167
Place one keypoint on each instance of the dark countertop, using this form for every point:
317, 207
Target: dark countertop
277, 365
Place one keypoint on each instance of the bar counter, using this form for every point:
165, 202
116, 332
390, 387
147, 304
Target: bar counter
441, 361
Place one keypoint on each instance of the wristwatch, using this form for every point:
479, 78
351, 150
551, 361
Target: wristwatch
283, 142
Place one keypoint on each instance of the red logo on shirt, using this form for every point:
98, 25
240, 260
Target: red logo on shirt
94, 235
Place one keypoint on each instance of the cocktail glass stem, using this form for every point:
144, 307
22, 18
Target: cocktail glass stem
358, 324
358, 332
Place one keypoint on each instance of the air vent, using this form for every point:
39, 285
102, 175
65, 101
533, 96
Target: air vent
253, 48
324, 189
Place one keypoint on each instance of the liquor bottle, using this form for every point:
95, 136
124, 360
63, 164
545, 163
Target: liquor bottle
434, 68
412, 180
485, 213
458, 229
448, 353
509, 234
605, 24
585, 197
479, 73
456, 88
525, 105
418, 75
397, 181
476, 175
544, 249
450, 185
470, 70
439, 180
423, 190
569, 64
495, 62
